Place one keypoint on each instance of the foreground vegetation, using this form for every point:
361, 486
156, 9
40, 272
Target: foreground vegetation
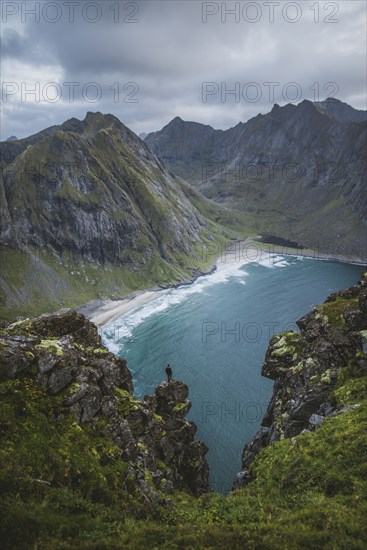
61, 486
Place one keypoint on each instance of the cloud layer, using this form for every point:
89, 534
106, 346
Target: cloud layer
149, 61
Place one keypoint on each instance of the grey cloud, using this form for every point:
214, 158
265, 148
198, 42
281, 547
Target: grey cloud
12, 44
170, 52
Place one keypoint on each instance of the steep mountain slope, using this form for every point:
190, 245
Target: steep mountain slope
298, 172
341, 111
87, 209
69, 423
96, 163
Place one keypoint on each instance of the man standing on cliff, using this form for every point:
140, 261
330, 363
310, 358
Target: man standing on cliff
169, 373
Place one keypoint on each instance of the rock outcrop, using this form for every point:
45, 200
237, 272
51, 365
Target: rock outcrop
306, 367
63, 353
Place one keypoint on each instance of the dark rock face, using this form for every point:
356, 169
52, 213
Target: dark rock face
179, 444
93, 189
305, 367
63, 352
311, 154
91, 197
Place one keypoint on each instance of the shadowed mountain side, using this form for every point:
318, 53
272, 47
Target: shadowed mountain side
88, 210
298, 172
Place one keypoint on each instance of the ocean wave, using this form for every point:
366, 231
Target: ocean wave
273, 260
123, 328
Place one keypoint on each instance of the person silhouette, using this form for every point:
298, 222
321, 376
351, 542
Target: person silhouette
169, 373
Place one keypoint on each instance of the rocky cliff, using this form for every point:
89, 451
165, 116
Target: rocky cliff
309, 366
83, 464
298, 172
88, 211
93, 188
54, 366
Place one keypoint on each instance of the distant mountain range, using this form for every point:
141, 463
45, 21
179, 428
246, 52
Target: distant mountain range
87, 210
298, 172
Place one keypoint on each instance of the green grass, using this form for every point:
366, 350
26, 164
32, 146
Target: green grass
334, 311
169, 239
309, 492
34, 282
58, 479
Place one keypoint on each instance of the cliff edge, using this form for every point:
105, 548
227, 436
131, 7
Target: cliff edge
58, 379
308, 368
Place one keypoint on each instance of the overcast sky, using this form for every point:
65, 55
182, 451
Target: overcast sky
149, 61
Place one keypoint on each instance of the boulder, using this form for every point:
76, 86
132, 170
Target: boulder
17, 354
316, 419
355, 319
59, 323
172, 398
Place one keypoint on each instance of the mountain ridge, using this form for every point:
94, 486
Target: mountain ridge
296, 172
87, 206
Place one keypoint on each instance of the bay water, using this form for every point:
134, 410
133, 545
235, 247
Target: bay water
214, 333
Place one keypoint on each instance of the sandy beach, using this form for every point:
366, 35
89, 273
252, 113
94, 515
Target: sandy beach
102, 312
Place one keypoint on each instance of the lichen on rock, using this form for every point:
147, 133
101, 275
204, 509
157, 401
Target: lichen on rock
308, 368
63, 354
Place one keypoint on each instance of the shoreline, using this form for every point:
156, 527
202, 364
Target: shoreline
104, 311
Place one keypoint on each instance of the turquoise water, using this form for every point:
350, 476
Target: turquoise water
214, 333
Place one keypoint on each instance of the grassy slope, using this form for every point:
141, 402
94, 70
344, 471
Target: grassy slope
311, 494
281, 209
34, 282
308, 493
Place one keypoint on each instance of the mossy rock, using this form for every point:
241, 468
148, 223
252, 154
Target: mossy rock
51, 346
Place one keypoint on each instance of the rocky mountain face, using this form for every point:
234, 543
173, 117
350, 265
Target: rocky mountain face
307, 368
88, 210
61, 354
297, 172
342, 112
94, 188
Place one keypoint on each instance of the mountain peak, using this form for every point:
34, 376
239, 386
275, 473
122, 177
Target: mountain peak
177, 120
98, 117
340, 111
92, 123
332, 100
95, 115
306, 104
